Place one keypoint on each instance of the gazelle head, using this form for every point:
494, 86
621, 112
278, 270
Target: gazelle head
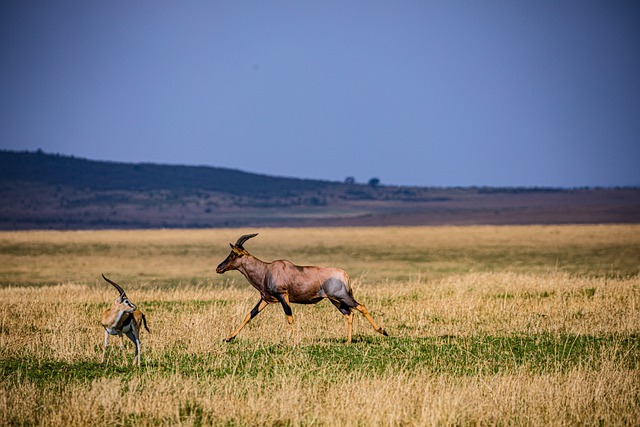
122, 302
233, 261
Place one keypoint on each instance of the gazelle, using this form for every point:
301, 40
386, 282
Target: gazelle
283, 282
123, 318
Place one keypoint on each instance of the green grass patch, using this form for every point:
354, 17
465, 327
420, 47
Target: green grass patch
331, 360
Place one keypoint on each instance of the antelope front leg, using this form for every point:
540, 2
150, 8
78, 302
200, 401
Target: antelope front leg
284, 300
253, 313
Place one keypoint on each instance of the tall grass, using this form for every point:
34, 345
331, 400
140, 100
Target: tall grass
488, 325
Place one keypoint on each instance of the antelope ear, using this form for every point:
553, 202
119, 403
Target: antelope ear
231, 244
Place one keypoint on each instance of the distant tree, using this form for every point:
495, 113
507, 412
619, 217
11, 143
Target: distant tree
350, 180
374, 182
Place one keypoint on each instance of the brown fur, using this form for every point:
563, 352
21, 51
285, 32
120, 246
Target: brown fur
284, 282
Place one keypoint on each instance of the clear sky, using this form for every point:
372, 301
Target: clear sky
430, 93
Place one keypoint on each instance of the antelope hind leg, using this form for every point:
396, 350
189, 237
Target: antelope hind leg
349, 318
345, 309
362, 309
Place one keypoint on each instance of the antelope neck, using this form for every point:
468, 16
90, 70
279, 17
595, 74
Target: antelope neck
253, 269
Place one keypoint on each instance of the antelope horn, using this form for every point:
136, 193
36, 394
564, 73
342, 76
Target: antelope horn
118, 287
243, 239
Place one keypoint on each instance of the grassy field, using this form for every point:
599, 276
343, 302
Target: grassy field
488, 325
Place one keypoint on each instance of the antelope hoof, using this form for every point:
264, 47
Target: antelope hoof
229, 339
383, 332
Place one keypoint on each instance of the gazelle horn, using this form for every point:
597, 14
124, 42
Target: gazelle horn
118, 287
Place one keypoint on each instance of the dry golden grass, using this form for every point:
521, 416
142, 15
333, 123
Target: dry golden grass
488, 325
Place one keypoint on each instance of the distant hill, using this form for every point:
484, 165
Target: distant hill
43, 191
107, 176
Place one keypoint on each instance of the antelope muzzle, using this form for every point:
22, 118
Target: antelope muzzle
222, 267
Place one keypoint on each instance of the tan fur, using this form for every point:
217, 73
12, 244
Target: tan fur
123, 318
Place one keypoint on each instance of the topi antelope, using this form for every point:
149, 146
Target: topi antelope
123, 318
283, 282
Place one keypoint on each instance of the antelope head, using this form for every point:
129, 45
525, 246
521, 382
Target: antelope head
121, 303
233, 261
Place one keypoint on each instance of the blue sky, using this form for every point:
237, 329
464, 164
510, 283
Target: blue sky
430, 93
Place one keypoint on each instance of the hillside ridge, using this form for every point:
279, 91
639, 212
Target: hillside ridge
109, 175
52, 191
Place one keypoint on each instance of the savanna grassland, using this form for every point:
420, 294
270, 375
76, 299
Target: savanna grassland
525, 325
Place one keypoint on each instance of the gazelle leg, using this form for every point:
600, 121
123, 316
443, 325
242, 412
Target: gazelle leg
124, 356
104, 348
253, 313
136, 341
139, 351
362, 309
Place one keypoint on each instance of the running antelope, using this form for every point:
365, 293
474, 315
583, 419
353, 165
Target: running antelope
283, 282
123, 318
